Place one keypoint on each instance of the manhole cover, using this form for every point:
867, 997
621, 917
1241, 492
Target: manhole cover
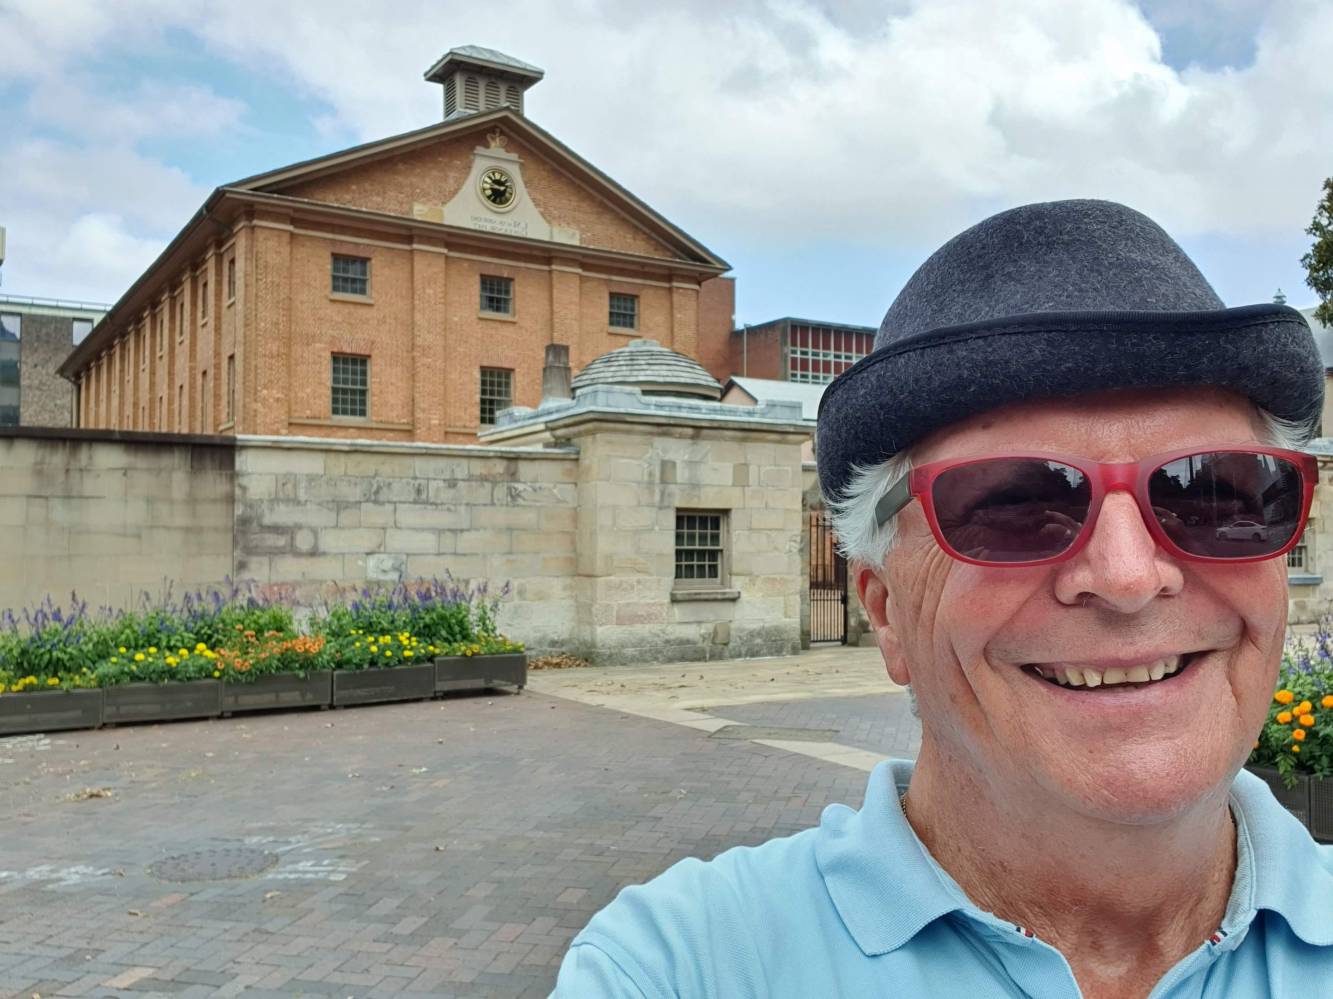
773, 732
220, 864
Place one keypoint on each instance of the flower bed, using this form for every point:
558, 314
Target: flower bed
237, 650
1294, 751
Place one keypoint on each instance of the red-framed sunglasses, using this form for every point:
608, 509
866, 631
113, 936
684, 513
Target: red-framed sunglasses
1240, 504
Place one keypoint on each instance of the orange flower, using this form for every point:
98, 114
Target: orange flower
1327, 702
1284, 697
1299, 735
1306, 720
1284, 717
1304, 708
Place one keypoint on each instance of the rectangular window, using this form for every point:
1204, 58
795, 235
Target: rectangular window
624, 311
497, 295
81, 328
351, 275
203, 299
180, 408
161, 413
818, 354
231, 388
161, 321
351, 386
205, 404
700, 548
11, 327
180, 321
1298, 559
231, 279
9, 382
497, 393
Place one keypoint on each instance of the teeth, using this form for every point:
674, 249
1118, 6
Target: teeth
1078, 676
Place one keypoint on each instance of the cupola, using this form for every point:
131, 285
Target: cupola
478, 79
652, 369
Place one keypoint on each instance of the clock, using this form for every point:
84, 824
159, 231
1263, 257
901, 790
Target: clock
497, 188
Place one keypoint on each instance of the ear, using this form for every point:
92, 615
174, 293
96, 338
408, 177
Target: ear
874, 594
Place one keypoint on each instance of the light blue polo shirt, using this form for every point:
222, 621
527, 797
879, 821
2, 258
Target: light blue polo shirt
857, 907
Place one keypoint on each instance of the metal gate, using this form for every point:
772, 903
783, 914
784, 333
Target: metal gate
828, 582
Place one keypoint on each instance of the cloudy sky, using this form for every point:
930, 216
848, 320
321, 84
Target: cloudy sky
823, 147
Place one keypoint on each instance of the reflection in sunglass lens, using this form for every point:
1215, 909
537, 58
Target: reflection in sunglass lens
1228, 504
1011, 509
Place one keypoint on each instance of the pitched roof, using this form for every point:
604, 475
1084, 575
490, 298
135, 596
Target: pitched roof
632, 207
476, 53
771, 390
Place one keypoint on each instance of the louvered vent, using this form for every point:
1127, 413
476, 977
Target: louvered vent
514, 98
471, 94
492, 95
450, 96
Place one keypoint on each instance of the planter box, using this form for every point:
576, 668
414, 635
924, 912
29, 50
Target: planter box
49, 711
280, 690
151, 702
1321, 809
452, 672
376, 686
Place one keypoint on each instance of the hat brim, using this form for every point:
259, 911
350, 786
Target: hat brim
897, 395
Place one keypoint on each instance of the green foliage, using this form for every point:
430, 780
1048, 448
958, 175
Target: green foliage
1318, 262
1297, 737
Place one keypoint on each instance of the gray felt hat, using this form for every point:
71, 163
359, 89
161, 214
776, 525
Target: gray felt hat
1055, 299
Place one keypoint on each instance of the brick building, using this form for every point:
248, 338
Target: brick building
793, 350
36, 335
403, 289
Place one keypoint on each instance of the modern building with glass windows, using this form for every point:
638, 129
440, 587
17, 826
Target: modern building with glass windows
404, 289
798, 350
36, 336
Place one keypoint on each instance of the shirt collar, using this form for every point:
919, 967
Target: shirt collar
1279, 867
887, 888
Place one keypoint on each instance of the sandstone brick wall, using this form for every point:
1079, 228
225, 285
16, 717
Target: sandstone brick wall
313, 514
111, 515
1308, 602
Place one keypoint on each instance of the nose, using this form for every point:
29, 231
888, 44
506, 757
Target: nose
1121, 568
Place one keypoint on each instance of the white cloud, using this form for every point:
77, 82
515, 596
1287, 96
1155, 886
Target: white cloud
880, 126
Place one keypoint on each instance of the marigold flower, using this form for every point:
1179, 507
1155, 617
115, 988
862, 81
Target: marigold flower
1299, 735
1306, 720
183, 652
1304, 708
1327, 702
122, 649
152, 649
1284, 697
1284, 717
138, 657
53, 682
1295, 749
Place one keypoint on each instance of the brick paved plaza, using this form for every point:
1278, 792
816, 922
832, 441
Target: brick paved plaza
445, 848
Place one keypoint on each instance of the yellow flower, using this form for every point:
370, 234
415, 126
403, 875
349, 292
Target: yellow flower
1304, 708
1327, 702
408, 653
216, 673
172, 660
200, 647
114, 659
374, 648
1306, 720
53, 682
152, 649
1284, 697
183, 652
122, 649
388, 654
138, 657
1284, 717
1299, 735
1295, 749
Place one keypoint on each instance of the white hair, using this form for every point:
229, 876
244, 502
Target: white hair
861, 540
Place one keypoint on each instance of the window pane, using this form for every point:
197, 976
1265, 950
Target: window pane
699, 547
624, 311
351, 275
497, 393
11, 326
497, 295
82, 327
351, 385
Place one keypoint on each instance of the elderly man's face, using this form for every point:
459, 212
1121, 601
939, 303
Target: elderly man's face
967, 636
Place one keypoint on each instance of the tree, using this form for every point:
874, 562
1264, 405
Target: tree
1318, 263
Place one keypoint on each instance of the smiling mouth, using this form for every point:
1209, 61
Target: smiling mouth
1114, 677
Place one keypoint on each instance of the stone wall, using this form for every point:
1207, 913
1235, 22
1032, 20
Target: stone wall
111, 514
314, 513
45, 399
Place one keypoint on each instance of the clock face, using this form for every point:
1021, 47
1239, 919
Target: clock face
497, 187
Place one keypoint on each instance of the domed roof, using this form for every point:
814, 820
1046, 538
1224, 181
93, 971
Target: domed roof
651, 368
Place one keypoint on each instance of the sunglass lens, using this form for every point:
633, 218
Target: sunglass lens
1228, 504
1007, 510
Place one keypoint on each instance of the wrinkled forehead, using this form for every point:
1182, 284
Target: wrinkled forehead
1116, 425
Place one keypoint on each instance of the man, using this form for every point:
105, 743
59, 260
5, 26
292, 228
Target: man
1037, 474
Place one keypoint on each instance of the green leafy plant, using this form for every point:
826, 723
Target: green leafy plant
1297, 737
